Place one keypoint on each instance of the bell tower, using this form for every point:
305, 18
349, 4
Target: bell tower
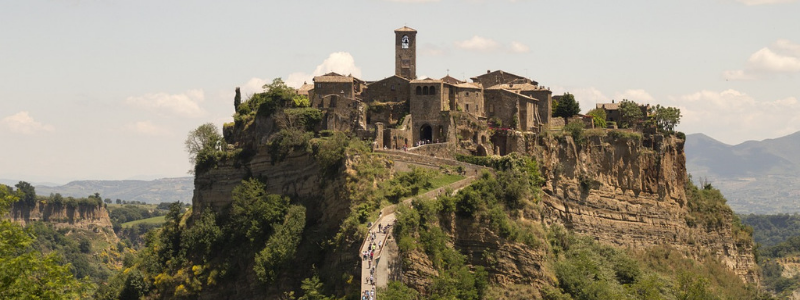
405, 48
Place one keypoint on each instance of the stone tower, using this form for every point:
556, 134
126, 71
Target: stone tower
405, 48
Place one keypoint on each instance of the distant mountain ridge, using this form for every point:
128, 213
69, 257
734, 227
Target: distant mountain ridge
152, 191
755, 176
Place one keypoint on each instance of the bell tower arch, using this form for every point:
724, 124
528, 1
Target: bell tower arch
405, 48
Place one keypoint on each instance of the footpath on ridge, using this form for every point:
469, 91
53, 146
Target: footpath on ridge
375, 270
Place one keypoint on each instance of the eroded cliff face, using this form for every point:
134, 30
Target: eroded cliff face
630, 195
81, 216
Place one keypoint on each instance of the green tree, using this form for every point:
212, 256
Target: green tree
598, 117
567, 106
202, 139
29, 274
237, 100
301, 101
312, 287
26, 192
666, 117
281, 246
630, 113
575, 129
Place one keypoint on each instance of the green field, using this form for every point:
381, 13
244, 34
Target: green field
153, 220
442, 180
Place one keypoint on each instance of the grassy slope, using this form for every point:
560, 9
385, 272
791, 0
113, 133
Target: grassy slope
153, 220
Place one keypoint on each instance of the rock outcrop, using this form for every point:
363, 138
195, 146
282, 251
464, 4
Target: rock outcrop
77, 216
624, 193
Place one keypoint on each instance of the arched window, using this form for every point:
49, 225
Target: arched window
419, 90
432, 91
424, 90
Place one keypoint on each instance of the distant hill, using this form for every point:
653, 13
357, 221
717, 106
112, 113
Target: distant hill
153, 191
755, 176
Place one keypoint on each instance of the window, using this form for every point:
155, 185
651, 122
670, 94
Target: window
425, 90
432, 91
467, 107
393, 87
419, 90
467, 94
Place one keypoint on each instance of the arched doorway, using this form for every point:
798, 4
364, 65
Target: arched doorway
426, 133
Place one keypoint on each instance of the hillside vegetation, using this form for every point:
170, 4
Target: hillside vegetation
265, 238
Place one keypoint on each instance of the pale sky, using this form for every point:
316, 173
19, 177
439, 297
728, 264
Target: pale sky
110, 89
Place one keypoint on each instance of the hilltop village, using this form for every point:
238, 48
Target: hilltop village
403, 111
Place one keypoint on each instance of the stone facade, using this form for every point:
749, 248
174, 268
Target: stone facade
428, 108
405, 48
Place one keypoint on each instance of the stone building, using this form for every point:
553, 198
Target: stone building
403, 110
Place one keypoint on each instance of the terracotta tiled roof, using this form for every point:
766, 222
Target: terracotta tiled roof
303, 90
333, 77
607, 106
468, 85
515, 86
405, 28
449, 79
426, 80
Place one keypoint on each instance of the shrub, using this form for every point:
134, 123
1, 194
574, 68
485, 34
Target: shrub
575, 129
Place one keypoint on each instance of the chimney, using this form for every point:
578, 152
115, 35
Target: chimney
488, 71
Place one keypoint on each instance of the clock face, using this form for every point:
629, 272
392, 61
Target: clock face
404, 42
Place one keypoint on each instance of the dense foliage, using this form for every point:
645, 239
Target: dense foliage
598, 117
260, 230
630, 114
26, 273
769, 230
575, 129
567, 106
665, 118
708, 209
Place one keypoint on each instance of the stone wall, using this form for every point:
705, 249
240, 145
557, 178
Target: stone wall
544, 105
502, 106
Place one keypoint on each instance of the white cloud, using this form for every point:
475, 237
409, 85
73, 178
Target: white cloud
146, 128
740, 75
339, 62
732, 116
477, 43
185, 104
782, 57
764, 2
587, 96
786, 47
254, 85
22, 122
639, 96
518, 47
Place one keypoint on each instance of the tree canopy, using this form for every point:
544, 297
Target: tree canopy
665, 118
630, 113
205, 137
29, 274
598, 117
567, 106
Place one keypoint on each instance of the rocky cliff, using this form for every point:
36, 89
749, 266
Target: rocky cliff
631, 192
78, 216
